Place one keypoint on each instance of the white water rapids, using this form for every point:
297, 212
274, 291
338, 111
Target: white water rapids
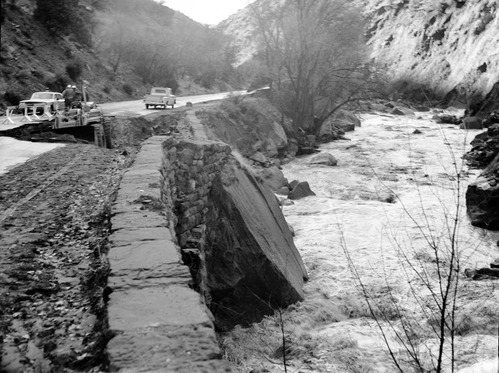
392, 191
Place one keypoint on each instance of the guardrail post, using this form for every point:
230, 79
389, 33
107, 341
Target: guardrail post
46, 112
25, 115
35, 108
8, 113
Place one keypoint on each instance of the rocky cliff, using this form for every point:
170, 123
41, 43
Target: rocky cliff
450, 45
444, 45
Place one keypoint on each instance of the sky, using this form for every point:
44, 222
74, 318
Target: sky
208, 12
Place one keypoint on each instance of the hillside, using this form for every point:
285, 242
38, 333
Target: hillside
445, 48
157, 46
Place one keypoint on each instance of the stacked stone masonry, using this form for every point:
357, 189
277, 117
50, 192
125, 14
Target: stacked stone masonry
159, 322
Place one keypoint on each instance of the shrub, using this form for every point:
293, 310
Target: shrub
74, 69
128, 89
15, 93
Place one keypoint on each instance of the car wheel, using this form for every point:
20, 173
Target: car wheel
147, 106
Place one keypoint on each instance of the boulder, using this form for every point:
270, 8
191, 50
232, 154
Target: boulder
422, 109
258, 157
446, 119
402, 111
325, 159
472, 123
493, 130
252, 264
482, 198
301, 190
272, 177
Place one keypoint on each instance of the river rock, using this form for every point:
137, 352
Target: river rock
402, 111
472, 123
482, 198
301, 190
272, 177
252, 264
446, 119
325, 159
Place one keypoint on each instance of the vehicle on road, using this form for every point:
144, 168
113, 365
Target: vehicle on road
160, 96
54, 99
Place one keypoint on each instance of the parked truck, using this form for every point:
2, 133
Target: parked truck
160, 96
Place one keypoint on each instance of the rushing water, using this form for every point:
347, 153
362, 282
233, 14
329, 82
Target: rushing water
393, 189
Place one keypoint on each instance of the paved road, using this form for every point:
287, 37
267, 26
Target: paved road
137, 107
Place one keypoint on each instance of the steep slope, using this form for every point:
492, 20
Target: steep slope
449, 46
446, 45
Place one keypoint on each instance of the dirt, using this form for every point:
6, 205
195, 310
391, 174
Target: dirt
54, 226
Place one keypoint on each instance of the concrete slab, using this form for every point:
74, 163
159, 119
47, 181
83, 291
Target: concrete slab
138, 219
143, 255
190, 348
134, 309
123, 237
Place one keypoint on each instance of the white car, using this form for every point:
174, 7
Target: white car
54, 99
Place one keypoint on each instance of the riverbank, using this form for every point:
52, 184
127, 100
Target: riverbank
393, 189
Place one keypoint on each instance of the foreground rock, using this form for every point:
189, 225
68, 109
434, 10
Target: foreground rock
252, 264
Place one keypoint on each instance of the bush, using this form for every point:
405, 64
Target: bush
74, 69
15, 93
128, 89
62, 16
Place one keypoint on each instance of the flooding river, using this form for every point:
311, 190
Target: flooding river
394, 190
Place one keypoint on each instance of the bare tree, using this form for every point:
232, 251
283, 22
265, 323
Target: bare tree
314, 54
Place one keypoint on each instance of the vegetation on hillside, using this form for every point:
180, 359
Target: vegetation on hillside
314, 56
163, 46
122, 47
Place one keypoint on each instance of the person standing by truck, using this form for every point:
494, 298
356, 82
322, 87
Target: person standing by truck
68, 95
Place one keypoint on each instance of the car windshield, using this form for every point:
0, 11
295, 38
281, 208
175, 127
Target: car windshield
42, 96
161, 91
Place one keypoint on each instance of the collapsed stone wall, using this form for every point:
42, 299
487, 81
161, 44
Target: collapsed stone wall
232, 233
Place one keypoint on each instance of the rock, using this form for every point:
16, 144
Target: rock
259, 157
325, 159
188, 104
472, 123
422, 108
402, 111
482, 273
284, 191
346, 120
305, 150
446, 119
335, 126
417, 132
482, 198
272, 177
252, 264
301, 190
495, 263
493, 130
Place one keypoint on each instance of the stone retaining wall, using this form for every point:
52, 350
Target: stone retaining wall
160, 323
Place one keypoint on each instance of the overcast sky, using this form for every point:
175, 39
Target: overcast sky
207, 11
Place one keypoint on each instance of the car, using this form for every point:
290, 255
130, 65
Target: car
54, 99
160, 96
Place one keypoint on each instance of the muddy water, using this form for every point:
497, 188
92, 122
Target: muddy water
15, 152
392, 191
